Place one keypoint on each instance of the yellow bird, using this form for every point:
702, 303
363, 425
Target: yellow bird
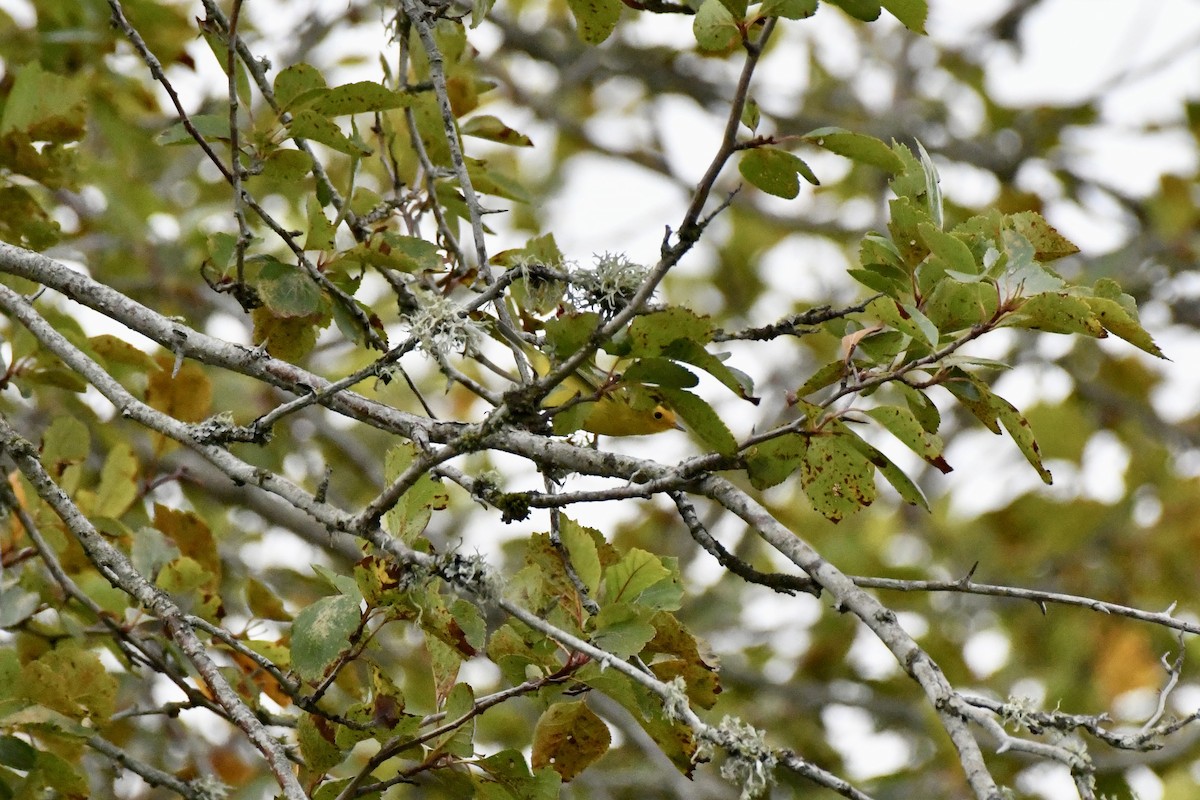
618, 409
617, 414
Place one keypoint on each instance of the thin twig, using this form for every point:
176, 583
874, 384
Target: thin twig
115, 566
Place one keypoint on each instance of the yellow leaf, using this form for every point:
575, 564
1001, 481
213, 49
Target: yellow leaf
1125, 660
186, 395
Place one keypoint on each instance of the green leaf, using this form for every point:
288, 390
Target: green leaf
911, 182
903, 424
909, 492
904, 318
827, 375
865, 10
673, 737
1048, 244
221, 246
66, 441
265, 603
408, 518
16, 606
486, 126
580, 543
659, 372
289, 339
1019, 274
118, 483
924, 409
510, 778
460, 701
949, 248
772, 462
183, 576
1057, 312
836, 477
213, 127
904, 225
499, 184
116, 351
569, 737
392, 251
884, 278
623, 629
933, 191
667, 594
692, 352
1019, 429
700, 418
911, 13
567, 333
994, 411
19, 754
975, 396
788, 9
856, 147
715, 28
955, 306
1117, 320
471, 627
595, 20
358, 98
308, 124
72, 681
651, 334
321, 231
321, 632
287, 291
479, 11
315, 735
283, 166
23, 221
297, 83
54, 166
882, 347
774, 170
636, 572
58, 775
44, 106
411, 253
751, 115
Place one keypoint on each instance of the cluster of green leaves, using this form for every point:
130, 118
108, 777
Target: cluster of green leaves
721, 25
938, 289
41, 117
657, 353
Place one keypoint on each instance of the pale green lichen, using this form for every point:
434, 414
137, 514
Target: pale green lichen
675, 703
209, 788
750, 763
473, 575
611, 283
441, 325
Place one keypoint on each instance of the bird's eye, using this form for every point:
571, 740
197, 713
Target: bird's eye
658, 415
